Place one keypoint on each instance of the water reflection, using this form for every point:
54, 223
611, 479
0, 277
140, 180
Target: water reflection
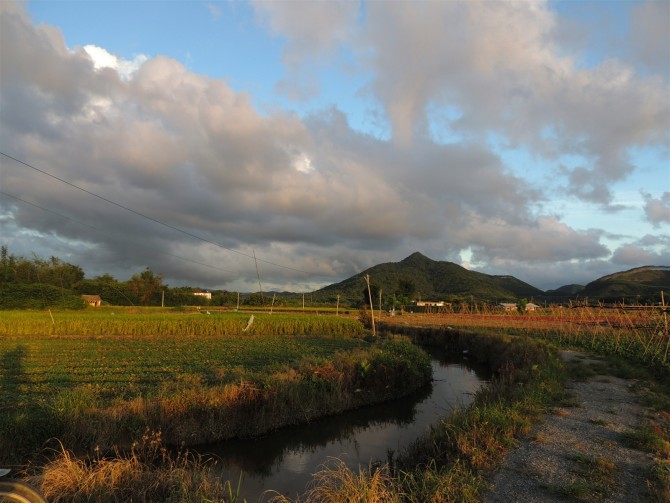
285, 460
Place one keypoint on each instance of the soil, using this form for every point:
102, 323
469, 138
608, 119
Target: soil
576, 453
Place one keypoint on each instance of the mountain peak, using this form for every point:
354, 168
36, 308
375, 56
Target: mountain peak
416, 258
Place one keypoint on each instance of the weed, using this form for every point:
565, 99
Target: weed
647, 438
580, 491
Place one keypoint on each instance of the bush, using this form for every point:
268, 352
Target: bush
38, 296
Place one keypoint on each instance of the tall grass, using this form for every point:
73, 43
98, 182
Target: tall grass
148, 471
640, 335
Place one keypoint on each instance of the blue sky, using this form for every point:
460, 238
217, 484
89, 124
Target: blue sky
525, 138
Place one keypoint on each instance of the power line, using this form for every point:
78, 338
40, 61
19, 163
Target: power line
100, 230
165, 224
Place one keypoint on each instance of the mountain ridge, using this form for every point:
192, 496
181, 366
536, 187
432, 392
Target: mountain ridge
443, 280
432, 279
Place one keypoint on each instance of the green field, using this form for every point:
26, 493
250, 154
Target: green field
40, 369
103, 377
153, 321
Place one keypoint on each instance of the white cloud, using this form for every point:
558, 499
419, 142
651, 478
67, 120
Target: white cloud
103, 59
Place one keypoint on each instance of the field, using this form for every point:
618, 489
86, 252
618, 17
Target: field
101, 378
636, 334
117, 386
41, 369
153, 321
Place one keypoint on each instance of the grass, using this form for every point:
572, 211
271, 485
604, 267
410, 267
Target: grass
104, 390
648, 438
146, 472
593, 476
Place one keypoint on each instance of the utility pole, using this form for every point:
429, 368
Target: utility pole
259, 279
372, 307
337, 308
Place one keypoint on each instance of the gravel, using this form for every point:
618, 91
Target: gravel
576, 452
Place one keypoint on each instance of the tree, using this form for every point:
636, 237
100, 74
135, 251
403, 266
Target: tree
145, 284
405, 291
374, 293
521, 305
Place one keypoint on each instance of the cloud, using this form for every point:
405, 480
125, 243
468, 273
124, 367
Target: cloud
103, 59
657, 210
312, 193
505, 67
631, 255
649, 34
546, 239
312, 32
214, 10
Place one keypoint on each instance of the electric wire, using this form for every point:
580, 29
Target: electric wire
165, 224
79, 222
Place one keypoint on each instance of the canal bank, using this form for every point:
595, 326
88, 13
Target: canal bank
284, 461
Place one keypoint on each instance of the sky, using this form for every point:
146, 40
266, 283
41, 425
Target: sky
294, 144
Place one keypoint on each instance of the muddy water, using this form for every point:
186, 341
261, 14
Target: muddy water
285, 460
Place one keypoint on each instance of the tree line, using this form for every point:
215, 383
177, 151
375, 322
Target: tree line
39, 283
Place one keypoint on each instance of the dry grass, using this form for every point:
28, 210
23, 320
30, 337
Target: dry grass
337, 483
148, 472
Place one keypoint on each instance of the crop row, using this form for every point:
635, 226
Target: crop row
107, 322
38, 366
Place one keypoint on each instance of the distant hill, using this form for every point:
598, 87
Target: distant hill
642, 284
564, 292
433, 280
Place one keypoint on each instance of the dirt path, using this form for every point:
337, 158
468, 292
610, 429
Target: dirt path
577, 453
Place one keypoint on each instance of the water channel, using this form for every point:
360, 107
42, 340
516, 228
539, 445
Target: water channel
285, 460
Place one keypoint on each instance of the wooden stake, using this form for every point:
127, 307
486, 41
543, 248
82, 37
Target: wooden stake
665, 319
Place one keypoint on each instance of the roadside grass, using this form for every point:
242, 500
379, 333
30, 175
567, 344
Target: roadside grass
647, 437
580, 490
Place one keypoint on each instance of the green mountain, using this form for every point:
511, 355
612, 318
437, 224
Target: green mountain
432, 280
564, 293
639, 285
